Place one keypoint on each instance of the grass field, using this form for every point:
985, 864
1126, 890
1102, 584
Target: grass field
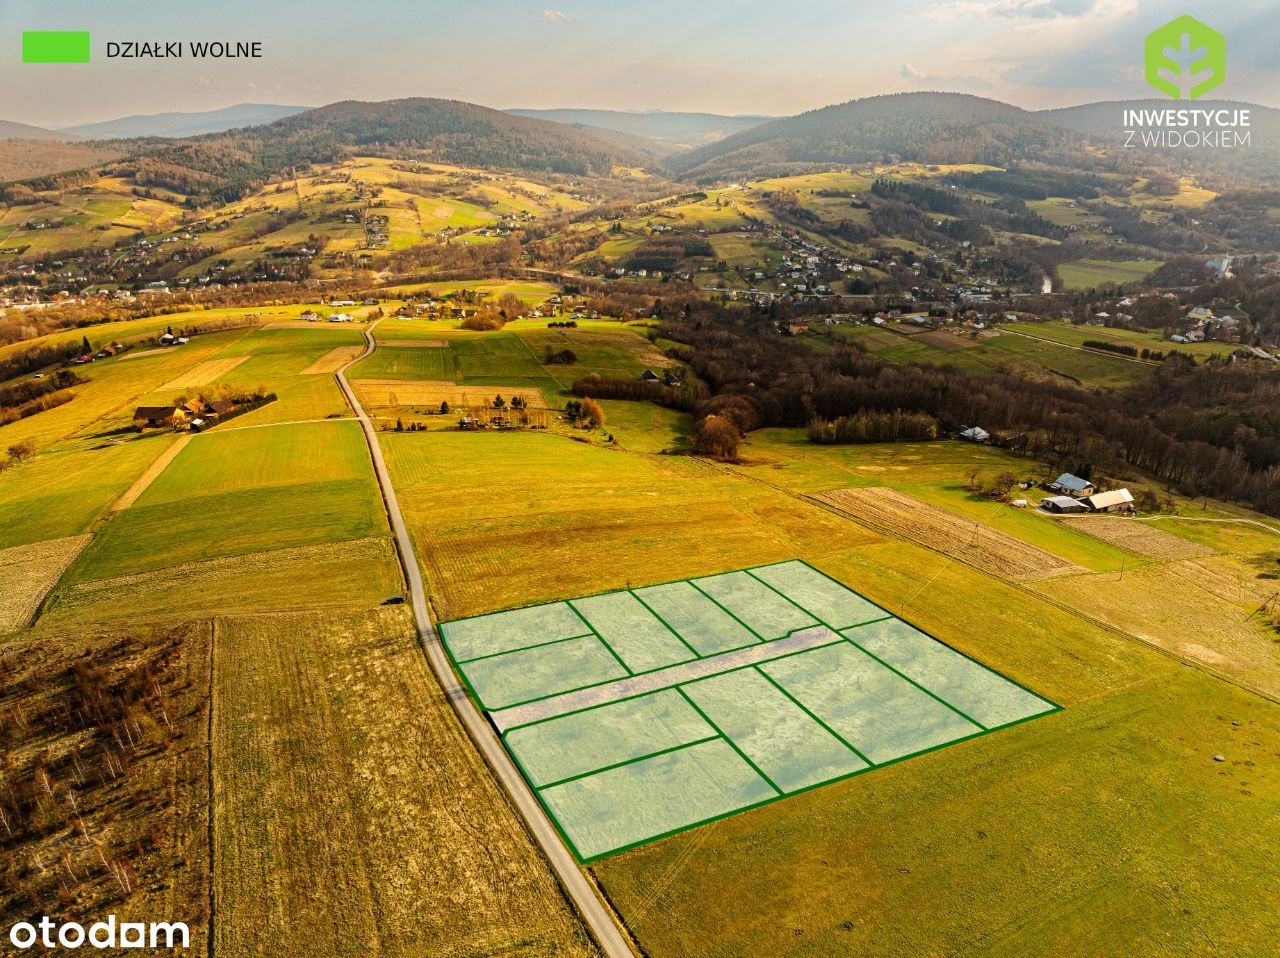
1126, 764
1076, 335
1091, 273
61, 493
1007, 350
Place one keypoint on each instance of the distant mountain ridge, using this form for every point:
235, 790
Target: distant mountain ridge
670, 131
11, 130
923, 127
185, 123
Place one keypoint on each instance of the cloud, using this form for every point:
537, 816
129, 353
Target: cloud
1023, 9
908, 72
557, 16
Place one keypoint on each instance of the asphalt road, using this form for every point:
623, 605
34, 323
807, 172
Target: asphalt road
583, 895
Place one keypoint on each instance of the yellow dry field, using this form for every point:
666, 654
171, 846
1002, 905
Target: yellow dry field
959, 538
1139, 537
398, 392
205, 373
153, 472
512, 556
28, 572
140, 353
1201, 609
333, 360
352, 814
421, 343
442, 212
259, 581
945, 341
298, 324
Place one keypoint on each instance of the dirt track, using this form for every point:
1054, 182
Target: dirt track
960, 538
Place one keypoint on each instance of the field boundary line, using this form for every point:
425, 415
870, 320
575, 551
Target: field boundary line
731, 743
632, 761
807, 711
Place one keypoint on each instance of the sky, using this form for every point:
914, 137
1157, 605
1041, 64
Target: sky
722, 56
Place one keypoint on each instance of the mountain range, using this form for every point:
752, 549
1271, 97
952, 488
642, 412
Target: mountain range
183, 124
934, 128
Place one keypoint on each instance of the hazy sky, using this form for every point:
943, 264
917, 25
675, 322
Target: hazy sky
723, 56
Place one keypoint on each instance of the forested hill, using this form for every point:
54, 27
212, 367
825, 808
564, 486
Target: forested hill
225, 166
923, 127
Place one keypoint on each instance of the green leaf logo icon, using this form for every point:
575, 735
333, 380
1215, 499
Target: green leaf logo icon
1185, 58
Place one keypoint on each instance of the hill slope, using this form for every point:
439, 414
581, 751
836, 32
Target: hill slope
185, 124
670, 130
10, 130
226, 166
924, 127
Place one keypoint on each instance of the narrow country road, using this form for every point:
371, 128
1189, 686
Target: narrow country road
593, 911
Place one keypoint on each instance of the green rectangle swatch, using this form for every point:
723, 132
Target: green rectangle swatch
55, 46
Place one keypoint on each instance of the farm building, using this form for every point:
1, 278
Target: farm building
1072, 485
1118, 500
975, 434
155, 417
1063, 504
649, 376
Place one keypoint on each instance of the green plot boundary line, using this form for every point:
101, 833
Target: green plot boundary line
653, 612
730, 742
631, 761
523, 648
588, 859
873, 657
599, 638
1055, 707
806, 710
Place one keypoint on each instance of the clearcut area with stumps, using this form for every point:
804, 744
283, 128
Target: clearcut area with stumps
641, 713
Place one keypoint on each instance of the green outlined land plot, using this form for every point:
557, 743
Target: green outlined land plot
640, 713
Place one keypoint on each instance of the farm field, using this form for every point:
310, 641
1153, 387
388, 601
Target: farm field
1145, 539
28, 573
1076, 336
968, 541
1005, 350
374, 821
62, 492
1092, 273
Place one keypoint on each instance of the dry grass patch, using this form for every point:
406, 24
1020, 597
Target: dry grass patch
205, 373
1139, 537
153, 472
28, 573
353, 815
948, 533
398, 392
481, 563
1197, 608
142, 353
945, 341
314, 576
333, 360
